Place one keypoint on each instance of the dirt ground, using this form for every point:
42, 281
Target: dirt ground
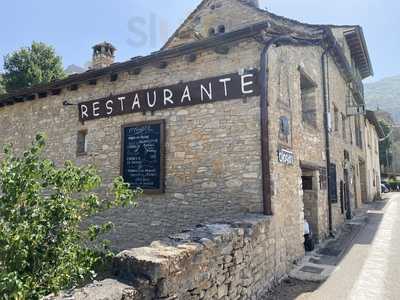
291, 289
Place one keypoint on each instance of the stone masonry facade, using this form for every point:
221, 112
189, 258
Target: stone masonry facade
213, 151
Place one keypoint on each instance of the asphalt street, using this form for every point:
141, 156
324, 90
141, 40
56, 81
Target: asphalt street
371, 267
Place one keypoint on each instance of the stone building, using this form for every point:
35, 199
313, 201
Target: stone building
241, 111
373, 133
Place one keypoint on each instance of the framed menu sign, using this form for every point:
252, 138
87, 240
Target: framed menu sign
142, 156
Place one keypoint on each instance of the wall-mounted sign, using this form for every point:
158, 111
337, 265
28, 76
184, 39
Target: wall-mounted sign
142, 156
285, 157
221, 88
355, 110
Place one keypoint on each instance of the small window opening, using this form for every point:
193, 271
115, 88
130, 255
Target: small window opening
307, 183
114, 77
308, 100
82, 143
221, 29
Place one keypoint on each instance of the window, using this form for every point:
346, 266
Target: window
333, 184
308, 101
322, 180
342, 197
81, 148
336, 112
351, 133
344, 127
221, 29
307, 183
358, 132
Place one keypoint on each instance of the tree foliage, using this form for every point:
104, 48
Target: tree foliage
43, 245
2, 86
37, 64
385, 146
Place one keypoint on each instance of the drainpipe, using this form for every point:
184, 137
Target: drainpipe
264, 112
325, 82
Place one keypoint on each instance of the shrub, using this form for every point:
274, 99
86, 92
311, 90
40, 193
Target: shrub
43, 246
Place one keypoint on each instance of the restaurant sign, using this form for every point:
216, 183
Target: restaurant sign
221, 88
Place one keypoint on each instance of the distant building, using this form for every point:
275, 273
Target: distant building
209, 134
373, 133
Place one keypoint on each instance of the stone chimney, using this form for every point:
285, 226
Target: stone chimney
254, 3
103, 55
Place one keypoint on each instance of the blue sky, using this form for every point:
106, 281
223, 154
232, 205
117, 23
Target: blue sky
138, 27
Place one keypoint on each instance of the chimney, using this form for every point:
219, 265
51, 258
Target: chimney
254, 3
103, 55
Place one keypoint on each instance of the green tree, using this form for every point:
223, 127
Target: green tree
29, 66
2, 87
43, 247
385, 146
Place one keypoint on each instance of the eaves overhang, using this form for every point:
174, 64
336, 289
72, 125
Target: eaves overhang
359, 51
371, 117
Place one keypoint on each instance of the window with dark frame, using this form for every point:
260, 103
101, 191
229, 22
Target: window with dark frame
358, 132
351, 133
333, 184
81, 148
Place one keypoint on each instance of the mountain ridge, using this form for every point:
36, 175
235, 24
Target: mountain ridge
384, 95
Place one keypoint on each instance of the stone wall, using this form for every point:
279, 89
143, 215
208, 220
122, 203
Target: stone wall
213, 167
237, 260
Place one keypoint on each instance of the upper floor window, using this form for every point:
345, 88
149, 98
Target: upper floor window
308, 99
344, 127
358, 132
81, 143
351, 132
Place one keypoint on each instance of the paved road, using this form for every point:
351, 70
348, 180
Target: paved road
371, 268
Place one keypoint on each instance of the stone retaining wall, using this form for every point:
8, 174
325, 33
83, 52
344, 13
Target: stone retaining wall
239, 260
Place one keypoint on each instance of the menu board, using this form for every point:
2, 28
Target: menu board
143, 155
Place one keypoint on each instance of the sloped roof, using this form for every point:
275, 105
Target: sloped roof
196, 10
358, 46
353, 34
27, 93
